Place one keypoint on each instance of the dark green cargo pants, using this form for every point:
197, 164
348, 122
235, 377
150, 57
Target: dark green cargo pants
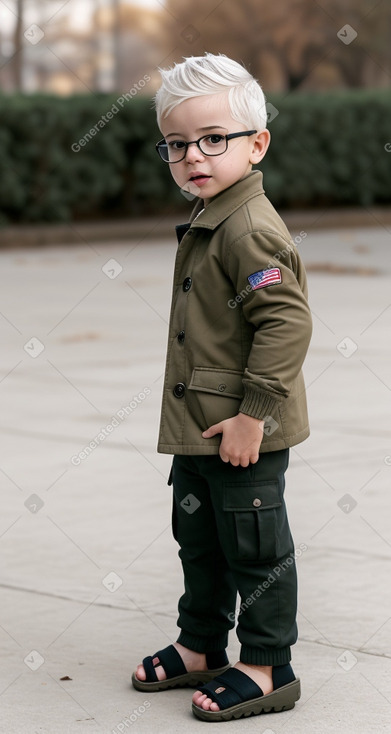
232, 528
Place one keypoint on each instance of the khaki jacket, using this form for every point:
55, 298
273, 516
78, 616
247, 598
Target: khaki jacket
235, 344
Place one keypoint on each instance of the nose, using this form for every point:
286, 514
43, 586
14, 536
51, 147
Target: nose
193, 153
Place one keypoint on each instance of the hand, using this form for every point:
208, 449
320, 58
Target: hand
242, 437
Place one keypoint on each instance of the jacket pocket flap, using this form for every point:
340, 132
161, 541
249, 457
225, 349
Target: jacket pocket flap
245, 496
218, 381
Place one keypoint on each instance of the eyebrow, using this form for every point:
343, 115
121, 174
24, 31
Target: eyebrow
201, 129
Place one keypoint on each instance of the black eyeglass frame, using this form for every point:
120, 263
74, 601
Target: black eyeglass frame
228, 137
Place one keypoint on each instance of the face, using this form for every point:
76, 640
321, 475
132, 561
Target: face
204, 175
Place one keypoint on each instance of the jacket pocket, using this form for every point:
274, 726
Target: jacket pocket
227, 383
219, 392
257, 519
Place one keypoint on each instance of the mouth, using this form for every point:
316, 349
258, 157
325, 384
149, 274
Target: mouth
199, 178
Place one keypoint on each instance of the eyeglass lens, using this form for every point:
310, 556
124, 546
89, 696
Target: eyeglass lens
175, 150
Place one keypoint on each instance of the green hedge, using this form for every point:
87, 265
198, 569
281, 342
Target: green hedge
327, 149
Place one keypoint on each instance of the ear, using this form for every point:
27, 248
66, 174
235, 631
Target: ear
259, 147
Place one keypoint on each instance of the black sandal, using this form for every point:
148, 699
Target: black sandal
238, 695
177, 675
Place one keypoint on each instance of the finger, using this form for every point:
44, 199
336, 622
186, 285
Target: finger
212, 430
224, 457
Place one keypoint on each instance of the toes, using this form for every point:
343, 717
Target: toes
198, 698
140, 672
209, 705
203, 702
160, 672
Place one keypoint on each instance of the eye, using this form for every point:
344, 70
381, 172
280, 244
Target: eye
214, 139
177, 144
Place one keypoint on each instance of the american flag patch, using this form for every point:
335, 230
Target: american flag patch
264, 277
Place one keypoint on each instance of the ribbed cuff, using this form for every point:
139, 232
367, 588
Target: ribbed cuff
265, 656
258, 404
203, 644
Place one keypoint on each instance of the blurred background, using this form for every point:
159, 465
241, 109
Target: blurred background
77, 80
89, 571
106, 45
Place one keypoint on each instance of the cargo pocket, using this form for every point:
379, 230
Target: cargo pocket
256, 515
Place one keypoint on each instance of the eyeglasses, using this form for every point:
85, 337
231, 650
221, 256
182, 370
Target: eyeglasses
215, 144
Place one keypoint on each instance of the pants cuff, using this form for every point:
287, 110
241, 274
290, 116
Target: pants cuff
203, 644
265, 656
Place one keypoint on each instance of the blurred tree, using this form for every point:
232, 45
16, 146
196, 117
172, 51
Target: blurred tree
290, 43
116, 19
17, 59
137, 39
122, 44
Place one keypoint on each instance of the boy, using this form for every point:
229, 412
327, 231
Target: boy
233, 398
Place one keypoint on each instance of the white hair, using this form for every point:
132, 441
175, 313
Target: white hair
210, 74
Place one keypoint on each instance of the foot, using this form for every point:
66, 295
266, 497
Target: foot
192, 661
261, 674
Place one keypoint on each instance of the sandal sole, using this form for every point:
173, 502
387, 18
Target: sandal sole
282, 699
180, 681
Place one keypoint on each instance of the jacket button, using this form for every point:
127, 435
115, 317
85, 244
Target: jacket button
186, 285
179, 390
222, 387
257, 502
181, 337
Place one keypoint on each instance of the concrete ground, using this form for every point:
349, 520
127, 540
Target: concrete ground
89, 571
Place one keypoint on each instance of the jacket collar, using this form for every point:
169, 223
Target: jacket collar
227, 202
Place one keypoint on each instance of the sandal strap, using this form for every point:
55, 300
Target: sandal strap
171, 661
149, 668
173, 664
238, 688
